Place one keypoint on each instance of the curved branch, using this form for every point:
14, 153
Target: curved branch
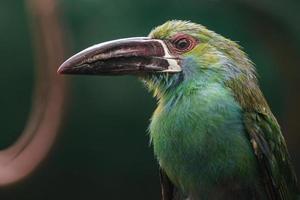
20, 159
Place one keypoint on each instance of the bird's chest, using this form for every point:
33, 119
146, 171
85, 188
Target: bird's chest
200, 142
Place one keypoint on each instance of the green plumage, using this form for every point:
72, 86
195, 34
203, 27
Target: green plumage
213, 132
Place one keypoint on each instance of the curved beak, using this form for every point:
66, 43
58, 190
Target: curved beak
125, 56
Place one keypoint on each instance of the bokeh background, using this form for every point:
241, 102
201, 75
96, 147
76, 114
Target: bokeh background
103, 150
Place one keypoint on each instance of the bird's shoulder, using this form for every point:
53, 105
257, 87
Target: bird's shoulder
269, 146
265, 135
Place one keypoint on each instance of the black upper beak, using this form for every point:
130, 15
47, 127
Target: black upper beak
124, 56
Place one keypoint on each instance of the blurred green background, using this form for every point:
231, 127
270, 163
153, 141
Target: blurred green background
103, 149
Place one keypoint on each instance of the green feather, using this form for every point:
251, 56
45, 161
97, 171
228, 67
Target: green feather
213, 132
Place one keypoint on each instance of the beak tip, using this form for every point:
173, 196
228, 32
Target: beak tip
63, 68
60, 70
68, 67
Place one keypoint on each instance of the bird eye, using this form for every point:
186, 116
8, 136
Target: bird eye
183, 43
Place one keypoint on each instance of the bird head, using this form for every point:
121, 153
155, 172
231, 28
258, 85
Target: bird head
174, 53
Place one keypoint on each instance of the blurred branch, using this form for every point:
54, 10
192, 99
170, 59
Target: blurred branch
20, 159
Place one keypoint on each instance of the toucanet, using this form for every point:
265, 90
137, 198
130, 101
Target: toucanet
213, 133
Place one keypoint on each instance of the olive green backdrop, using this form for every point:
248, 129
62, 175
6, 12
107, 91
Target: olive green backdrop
103, 150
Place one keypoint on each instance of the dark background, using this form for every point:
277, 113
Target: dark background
103, 149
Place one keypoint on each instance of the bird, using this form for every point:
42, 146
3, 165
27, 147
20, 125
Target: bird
213, 133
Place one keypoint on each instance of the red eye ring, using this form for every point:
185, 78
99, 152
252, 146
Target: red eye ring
183, 43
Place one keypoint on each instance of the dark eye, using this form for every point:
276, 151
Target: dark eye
183, 43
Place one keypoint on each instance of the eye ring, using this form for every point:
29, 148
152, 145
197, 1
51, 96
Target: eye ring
183, 43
